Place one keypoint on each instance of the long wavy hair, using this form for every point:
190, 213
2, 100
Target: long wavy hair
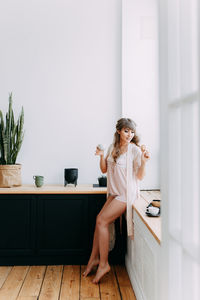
123, 123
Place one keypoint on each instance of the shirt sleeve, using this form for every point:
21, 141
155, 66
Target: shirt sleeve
137, 159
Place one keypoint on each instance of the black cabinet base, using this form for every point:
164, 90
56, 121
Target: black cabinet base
53, 260
53, 230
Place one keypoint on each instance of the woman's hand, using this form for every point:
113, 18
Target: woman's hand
99, 152
144, 158
103, 163
145, 154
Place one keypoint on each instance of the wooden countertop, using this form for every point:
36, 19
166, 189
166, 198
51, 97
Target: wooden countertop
152, 223
55, 189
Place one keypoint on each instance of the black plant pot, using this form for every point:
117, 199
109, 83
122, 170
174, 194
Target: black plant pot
102, 181
71, 176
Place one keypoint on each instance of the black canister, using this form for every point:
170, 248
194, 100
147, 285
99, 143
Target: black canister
102, 181
71, 176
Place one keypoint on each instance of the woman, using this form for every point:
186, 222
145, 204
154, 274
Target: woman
124, 164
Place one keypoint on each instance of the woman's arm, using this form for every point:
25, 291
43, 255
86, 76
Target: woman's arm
103, 161
141, 171
103, 164
144, 158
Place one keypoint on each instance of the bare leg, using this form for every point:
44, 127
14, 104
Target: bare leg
112, 211
94, 257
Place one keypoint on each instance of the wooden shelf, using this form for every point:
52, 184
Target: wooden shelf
152, 223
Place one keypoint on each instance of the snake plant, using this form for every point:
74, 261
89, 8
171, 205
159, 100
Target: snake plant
11, 135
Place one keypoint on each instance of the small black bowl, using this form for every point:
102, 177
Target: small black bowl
71, 176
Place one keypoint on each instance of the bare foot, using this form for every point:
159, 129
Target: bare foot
90, 266
101, 272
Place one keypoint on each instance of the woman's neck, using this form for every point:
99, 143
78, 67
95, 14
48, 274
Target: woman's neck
123, 144
123, 147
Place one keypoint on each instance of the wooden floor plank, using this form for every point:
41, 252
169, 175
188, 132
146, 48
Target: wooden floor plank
91, 298
127, 293
4, 271
122, 275
13, 283
27, 298
70, 283
51, 284
88, 290
32, 284
124, 283
109, 287
63, 283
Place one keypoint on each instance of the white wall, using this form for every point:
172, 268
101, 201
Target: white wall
62, 61
140, 78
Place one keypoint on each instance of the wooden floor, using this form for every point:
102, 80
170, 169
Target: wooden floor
63, 283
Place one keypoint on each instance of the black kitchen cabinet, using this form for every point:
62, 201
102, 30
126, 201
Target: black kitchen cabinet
51, 229
63, 224
17, 235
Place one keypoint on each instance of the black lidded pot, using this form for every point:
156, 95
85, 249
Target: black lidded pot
102, 181
71, 176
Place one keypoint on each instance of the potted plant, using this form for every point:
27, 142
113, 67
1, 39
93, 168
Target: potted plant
11, 137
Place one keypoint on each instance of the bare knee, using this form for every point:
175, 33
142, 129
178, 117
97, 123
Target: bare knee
100, 221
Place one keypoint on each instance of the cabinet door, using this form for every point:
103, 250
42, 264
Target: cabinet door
16, 225
62, 225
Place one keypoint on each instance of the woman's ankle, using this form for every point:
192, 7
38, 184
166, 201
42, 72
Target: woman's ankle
96, 258
103, 264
